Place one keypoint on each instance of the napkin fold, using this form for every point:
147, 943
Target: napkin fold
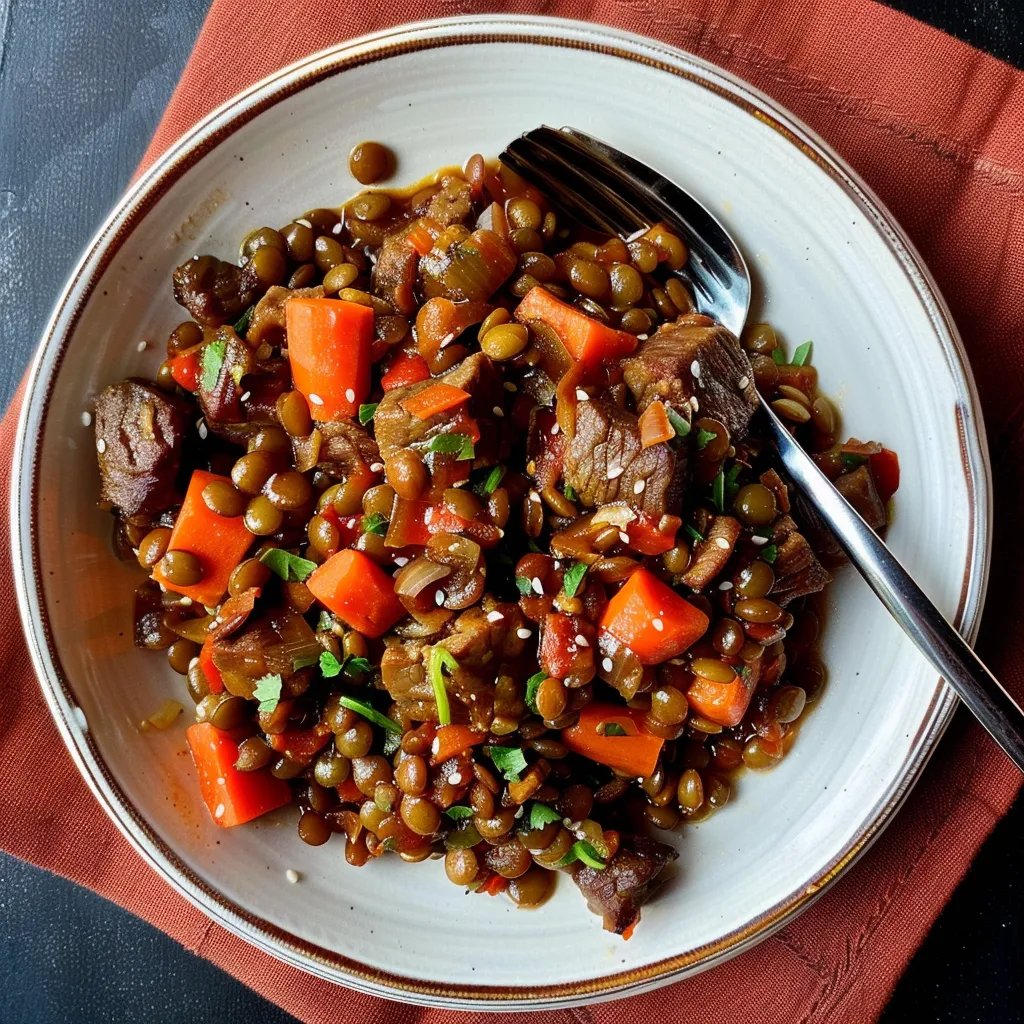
935, 128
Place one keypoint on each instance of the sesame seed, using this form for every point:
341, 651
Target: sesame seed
246, 396
538, 587
209, 610
510, 387
758, 540
350, 395
192, 664
219, 812
641, 337
614, 472
555, 429
581, 395
695, 369
582, 640
317, 400
721, 542
141, 347
725, 585
336, 230
447, 340
376, 467
501, 532
292, 875
455, 778
623, 536
744, 382
638, 487
498, 411
607, 664
221, 780
523, 633
677, 661
494, 616
658, 624
101, 445
86, 419
439, 598
694, 404
534, 496
185, 602
401, 560
302, 220
203, 432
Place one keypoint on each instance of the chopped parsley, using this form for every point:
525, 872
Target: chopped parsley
375, 523
541, 815
532, 686
718, 491
459, 445
732, 485
696, 536
777, 357
852, 461
803, 353
573, 577
524, 585
680, 425
268, 692
331, 667
488, 484
290, 568
510, 761
612, 729
211, 362
704, 438
369, 713
585, 853
769, 553
458, 812
242, 324
440, 659
366, 412
570, 492
356, 666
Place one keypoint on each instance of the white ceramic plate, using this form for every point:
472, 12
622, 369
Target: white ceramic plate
831, 266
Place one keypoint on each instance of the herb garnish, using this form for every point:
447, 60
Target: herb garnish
769, 553
369, 713
268, 692
242, 323
680, 425
366, 412
440, 659
532, 686
375, 523
803, 353
291, 568
573, 577
459, 445
210, 363
510, 761
704, 438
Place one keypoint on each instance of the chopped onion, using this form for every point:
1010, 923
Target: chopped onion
418, 574
618, 513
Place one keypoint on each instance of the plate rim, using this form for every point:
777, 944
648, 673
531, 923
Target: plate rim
135, 204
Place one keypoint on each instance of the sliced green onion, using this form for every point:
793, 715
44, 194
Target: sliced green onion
440, 659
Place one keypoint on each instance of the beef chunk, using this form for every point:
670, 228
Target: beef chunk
226, 359
394, 274
858, 488
341, 449
214, 292
605, 462
267, 323
452, 204
139, 435
680, 362
797, 569
397, 429
618, 891
713, 552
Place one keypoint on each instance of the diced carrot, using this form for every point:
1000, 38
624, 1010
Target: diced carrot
301, 745
217, 541
185, 368
628, 932
652, 619
724, 703
359, 591
450, 740
636, 753
437, 398
885, 468
349, 792
587, 340
213, 677
232, 797
653, 535
494, 885
329, 343
440, 321
405, 368
420, 239
560, 654
654, 425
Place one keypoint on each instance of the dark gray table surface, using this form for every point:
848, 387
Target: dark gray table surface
82, 84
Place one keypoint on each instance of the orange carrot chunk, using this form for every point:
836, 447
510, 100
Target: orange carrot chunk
587, 340
232, 797
329, 342
636, 753
405, 368
450, 740
300, 745
217, 541
654, 425
437, 398
358, 590
724, 703
652, 619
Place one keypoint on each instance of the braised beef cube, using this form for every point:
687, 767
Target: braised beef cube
797, 569
225, 360
452, 204
140, 432
341, 449
214, 292
681, 363
713, 552
618, 891
858, 488
604, 462
394, 274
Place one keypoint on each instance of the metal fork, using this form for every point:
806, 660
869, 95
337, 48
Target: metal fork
610, 190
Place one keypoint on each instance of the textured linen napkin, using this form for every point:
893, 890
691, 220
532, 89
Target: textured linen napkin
937, 129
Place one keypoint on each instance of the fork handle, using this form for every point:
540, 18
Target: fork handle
935, 638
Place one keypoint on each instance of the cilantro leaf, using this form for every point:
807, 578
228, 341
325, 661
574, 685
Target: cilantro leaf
852, 461
585, 853
491, 482
803, 353
541, 815
210, 363
532, 686
268, 692
290, 568
704, 438
570, 492
680, 425
459, 445
573, 577
693, 534
366, 412
356, 666
510, 761
329, 665
440, 659
457, 812
769, 553
242, 324
718, 491
375, 523
777, 357
299, 663
369, 713
524, 585
613, 729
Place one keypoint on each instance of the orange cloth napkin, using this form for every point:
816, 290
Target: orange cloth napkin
936, 129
